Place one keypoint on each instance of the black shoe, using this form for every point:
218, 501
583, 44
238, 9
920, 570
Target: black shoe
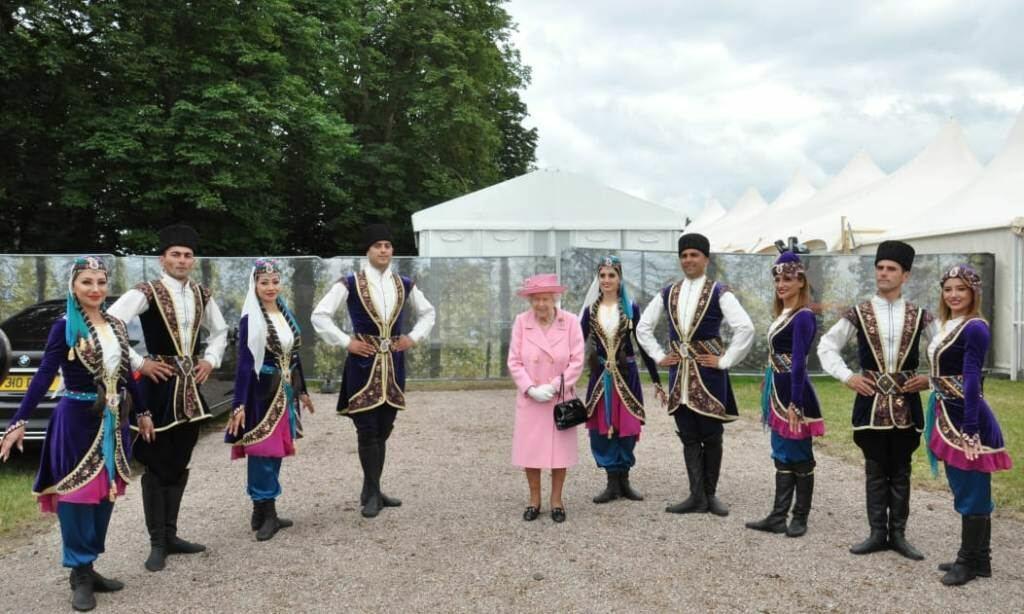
172, 504
716, 507
82, 597
775, 522
697, 502
99, 583
875, 542
982, 571
626, 490
154, 508
531, 513
558, 514
694, 504
972, 546
876, 498
611, 491
271, 523
898, 542
804, 493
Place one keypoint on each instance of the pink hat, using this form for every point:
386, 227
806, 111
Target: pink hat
539, 284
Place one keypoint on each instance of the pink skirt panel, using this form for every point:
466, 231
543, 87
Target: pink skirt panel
278, 445
986, 463
94, 491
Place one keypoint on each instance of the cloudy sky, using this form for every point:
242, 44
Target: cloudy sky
676, 101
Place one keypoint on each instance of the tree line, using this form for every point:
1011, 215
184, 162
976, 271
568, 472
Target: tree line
277, 126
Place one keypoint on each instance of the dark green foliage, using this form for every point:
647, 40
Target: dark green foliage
274, 127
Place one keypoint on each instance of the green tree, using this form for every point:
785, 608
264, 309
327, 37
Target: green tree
278, 126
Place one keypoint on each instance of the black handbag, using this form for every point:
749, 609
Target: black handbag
569, 413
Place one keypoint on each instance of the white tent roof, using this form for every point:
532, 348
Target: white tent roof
859, 172
798, 191
750, 234
994, 199
900, 200
712, 212
749, 205
547, 200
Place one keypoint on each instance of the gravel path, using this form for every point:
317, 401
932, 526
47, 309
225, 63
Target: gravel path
458, 543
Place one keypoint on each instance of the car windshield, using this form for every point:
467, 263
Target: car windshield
30, 327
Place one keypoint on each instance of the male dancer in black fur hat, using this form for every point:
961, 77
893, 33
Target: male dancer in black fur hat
172, 309
887, 414
700, 393
373, 381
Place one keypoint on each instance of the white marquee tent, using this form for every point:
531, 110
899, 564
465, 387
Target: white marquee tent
749, 206
987, 215
751, 233
711, 213
540, 214
859, 172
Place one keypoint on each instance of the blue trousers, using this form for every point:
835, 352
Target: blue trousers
972, 491
791, 451
83, 531
264, 482
615, 454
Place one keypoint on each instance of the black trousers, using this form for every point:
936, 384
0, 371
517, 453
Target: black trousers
374, 425
692, 425
891, 448
167, 457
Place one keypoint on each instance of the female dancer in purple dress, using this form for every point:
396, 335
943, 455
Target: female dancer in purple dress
84, 460
961, 429
789, 406
269, 388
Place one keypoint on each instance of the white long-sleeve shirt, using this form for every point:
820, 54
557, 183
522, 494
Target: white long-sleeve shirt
385, 299
735, 316
133, 303
890, 316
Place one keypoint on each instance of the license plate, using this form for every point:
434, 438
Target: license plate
18, 382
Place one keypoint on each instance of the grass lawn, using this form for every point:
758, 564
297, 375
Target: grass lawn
17, 505
1005, 397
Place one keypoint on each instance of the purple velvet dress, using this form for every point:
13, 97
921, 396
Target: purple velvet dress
72, 466
789, 384
960, 409
271, 403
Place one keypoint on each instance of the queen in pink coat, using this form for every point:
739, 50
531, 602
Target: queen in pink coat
547, 343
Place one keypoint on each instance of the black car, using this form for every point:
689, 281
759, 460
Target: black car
27, 331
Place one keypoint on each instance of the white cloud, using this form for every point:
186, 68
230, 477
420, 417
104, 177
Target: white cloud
676, 101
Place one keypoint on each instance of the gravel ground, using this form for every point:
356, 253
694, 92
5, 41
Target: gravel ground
458, 543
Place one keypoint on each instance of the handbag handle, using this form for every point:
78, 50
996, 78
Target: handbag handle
561, 391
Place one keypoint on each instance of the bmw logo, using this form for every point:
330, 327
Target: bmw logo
23, 360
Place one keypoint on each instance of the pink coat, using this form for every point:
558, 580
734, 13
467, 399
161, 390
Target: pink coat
537, 357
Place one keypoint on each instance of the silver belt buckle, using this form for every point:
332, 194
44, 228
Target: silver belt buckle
887, 384
385, 345
185, 364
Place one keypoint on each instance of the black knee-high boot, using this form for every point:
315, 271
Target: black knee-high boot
899, 512
697, 502
155, 511
173, 494
712, 469
611, 491
804, 493
876, 496
972, 548
775, 522
369, 458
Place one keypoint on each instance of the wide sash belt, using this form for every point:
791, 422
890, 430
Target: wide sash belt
186, 388
889, 384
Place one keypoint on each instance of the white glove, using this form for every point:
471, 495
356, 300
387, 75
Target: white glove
542, 393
